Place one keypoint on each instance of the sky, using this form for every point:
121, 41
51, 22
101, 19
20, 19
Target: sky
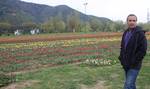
112, 9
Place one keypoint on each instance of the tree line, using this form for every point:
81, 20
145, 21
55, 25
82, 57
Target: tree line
71, 24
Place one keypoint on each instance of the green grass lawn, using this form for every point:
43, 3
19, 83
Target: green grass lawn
73, 76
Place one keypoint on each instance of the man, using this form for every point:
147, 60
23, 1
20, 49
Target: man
133, 50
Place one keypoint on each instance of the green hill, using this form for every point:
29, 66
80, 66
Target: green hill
18, 12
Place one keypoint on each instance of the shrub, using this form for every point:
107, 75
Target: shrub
6, 79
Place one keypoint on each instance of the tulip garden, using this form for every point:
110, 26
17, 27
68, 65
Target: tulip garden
33, 54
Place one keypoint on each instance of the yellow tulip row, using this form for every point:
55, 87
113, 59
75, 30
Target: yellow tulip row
58, 43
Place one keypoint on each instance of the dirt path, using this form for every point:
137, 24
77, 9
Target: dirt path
21, 85
99, 85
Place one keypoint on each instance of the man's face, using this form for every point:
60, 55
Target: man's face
131, 21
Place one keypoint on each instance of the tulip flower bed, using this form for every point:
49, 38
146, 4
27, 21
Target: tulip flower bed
18, 55
25, 56
30, 55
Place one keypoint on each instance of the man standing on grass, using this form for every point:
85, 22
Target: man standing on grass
132, 52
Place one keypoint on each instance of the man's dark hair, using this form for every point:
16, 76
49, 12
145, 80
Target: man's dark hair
131, 15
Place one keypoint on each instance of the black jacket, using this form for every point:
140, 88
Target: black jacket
133, 54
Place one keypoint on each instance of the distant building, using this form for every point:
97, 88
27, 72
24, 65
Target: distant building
34, 31
17, 32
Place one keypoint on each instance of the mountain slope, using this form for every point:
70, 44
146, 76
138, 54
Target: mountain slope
18, 12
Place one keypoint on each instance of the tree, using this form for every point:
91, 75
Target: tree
73, 22
5, 28
94, 23
85, 27
146, 26
120, 26
28, 26
59, 24
112, 27
47, 27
